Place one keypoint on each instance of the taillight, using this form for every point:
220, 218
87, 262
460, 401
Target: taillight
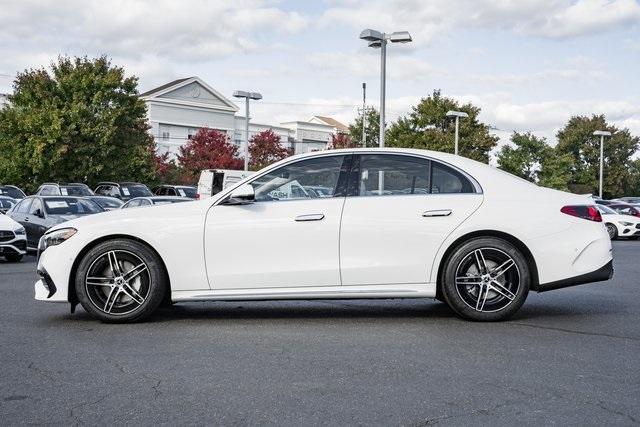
197, 196
590, 213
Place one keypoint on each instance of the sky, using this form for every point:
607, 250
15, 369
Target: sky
528, 64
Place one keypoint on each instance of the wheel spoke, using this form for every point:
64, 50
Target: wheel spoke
132, 293
483, 292
468, 280
502, 290
480, 261
134, 272
113, 263
99, 281
111, 299
502, 268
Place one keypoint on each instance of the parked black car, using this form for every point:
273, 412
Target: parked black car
71, 189
6, 203
123, 190
141, 202
37, 214
12, 191
107, 203
176, 190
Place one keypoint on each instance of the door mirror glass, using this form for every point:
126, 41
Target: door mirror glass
38, 212
241, 195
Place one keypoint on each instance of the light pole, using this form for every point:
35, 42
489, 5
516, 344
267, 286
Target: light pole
601, 134
457, 115
379, 39
247, 96
364, 115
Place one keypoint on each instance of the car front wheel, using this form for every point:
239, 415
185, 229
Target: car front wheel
486, 279
120, 281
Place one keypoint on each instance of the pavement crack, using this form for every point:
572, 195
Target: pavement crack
73, 409
573, 331
613, 411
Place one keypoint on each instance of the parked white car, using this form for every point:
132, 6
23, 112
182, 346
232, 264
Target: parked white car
213, 181
619, 225
400, 224
13, 239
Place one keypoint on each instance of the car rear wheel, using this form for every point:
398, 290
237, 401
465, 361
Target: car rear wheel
612, 230
121, 281
486, 279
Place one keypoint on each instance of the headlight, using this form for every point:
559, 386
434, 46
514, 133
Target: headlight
626, 224
19, 231
55, 238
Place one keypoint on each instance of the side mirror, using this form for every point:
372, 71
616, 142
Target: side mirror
39, 213
241, 195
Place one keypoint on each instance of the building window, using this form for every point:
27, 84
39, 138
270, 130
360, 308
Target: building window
191, 132
165, 136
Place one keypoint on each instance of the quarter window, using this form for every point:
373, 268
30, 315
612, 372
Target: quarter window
447, 180
305, 179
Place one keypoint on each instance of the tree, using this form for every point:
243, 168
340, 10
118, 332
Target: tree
208, 149
82, 121
372, 128
577, 141
265, 148
428, 127
167, 171
340, 140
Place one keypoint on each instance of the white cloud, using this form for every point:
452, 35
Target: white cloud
402, 67
427, 20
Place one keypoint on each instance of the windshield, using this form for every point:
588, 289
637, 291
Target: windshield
186, 192
12, 192
75, 190
107, 202
136, 190
70, 206
606, 210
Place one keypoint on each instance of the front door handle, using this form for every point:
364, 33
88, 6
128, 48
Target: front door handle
437, 212
310, 217
26, 219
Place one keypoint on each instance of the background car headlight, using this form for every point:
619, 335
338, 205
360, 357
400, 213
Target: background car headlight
55, 238
20, 231
626, 224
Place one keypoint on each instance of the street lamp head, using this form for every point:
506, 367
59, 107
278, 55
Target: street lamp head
452, 113
400, 37
371, 35
602, 133
375, 44
245, 94
255, 95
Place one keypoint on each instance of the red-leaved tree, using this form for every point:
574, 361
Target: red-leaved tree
265, 148
340, 140
208, 149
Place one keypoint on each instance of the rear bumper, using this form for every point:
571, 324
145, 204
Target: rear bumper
603, 273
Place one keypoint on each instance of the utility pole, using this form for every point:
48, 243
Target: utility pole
364, 115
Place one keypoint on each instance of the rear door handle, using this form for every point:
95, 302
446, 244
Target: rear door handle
310, 217
437, 212
26, 219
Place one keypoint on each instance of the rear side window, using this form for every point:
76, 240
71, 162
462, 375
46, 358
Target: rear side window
49, 190
446, 180
23, 207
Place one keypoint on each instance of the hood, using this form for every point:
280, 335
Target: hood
7, 223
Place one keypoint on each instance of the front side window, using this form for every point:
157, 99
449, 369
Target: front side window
291, 182
384, 175
36, 207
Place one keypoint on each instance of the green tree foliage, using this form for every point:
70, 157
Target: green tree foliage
82, 121
428, 127
372, 128
533, 159
577, 141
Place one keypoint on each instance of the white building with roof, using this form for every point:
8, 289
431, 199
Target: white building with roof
177, 109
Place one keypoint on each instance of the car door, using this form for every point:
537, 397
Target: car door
399, 210
20, 213
285, 238
37, 223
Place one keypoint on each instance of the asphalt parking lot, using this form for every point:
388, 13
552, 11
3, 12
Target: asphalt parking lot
569, 357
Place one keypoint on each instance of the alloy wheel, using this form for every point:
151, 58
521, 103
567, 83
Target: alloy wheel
117, 282
487, 279
611, 230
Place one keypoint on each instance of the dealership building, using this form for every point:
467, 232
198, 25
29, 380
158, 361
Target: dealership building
176, 110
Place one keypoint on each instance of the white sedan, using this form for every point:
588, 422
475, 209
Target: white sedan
619, 225
13, 239
398, 224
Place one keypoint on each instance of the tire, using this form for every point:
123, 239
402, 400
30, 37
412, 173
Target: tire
13, 257
612, 230
492, 292
121, 281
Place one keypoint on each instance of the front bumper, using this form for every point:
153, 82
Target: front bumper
603, 273
14, 247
